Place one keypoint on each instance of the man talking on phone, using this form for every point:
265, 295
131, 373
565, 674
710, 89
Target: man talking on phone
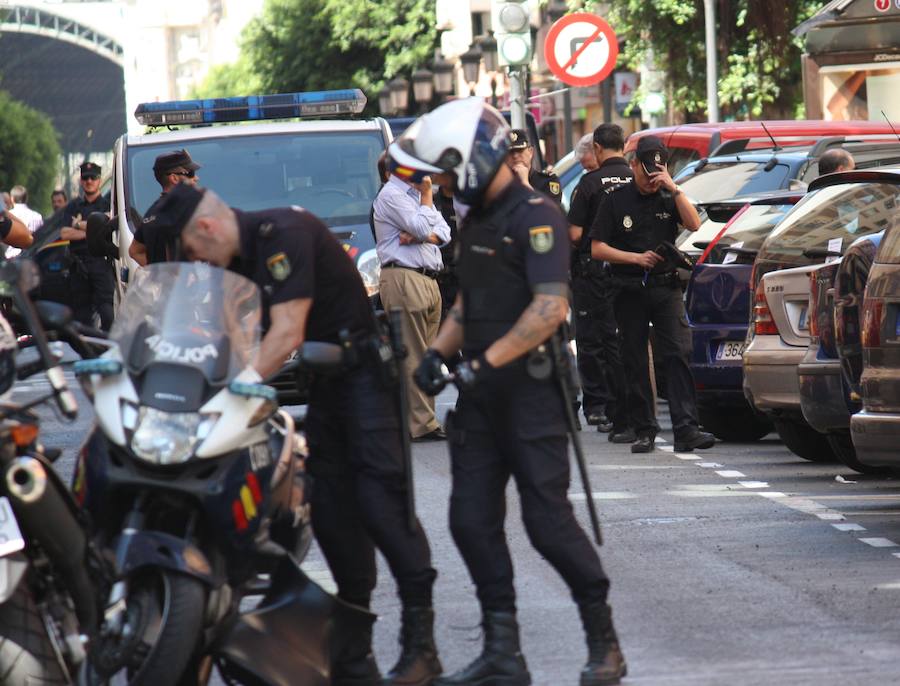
631, 225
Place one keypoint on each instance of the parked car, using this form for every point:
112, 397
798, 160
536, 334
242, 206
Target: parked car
876, 427
827, 395
838, 209
727, 176
718, 307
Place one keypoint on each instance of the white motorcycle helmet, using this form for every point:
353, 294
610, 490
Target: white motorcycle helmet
467, 138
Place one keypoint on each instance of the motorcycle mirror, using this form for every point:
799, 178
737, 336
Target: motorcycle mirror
323, 357
54, 316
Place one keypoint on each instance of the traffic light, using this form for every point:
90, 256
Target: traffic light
511, 20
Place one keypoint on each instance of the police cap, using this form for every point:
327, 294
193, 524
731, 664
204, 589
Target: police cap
518, 139
90, 170
175, 209
651, 151
174, 160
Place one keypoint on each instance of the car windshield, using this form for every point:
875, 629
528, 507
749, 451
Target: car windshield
190, 314
331, 174
724, 180
828, 220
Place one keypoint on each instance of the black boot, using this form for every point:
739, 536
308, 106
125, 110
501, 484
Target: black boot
501, 662
418, 664
606, 664
353, 663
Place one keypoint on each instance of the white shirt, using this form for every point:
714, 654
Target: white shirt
33, 220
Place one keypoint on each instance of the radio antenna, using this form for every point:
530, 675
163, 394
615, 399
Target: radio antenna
891, 125
771, 137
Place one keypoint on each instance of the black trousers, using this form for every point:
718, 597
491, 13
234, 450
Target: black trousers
359, 492
448, 283
600, 369
513, 426
636, 307
92, 284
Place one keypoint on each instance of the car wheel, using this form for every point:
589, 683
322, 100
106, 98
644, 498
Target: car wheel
804, 441
738, 425
842, 445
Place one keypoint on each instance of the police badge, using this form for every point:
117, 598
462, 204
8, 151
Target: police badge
541, 238
627, 222
554, 187
279, 266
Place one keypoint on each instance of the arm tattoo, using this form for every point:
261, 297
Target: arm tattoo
538, 321
456, 314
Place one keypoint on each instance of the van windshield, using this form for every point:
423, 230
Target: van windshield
723, 180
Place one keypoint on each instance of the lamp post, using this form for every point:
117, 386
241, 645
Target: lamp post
399, 88
443, 75
488, 47
385, 103
471, 65
423, 88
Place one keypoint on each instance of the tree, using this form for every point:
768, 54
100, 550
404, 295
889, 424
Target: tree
29, 151
759, 59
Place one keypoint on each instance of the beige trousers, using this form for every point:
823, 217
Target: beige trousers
420, 300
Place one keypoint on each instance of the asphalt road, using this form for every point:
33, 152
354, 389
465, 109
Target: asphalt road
738, 565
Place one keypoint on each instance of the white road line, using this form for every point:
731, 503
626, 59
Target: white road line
667, 448
849, 526
754, 484
730, 474
830, 516
687, 456
879, 542
773, 494
897, 555
710, 465
603, 495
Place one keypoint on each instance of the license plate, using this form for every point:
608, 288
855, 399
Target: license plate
11, 540
803, 325
730, 350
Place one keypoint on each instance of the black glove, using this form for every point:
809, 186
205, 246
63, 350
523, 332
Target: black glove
431, 375
471, 372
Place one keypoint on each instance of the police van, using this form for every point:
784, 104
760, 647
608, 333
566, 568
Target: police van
325, 163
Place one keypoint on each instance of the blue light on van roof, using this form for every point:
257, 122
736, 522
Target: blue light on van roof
251, 108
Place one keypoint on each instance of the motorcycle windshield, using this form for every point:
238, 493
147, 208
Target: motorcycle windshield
192, 315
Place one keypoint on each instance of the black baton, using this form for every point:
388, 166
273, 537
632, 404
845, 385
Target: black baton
400, 354
562, 364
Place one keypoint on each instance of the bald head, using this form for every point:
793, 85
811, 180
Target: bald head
836, 160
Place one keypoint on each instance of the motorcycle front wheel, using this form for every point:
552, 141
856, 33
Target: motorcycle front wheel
27, 655
167, 610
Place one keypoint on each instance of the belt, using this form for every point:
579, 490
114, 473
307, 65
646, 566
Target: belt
424, 271
664, 279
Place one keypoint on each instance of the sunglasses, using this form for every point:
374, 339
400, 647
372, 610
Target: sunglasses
90, 177
187, 174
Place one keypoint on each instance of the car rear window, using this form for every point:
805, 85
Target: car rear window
829, 220
747, 234
331, 174
724, 180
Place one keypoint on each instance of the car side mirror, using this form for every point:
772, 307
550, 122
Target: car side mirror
53, 315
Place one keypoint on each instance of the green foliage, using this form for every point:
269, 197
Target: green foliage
29, 151
304, 45
759, 58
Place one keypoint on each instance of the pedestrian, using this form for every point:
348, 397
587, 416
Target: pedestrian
6, 202
148, 245
632, 223
58, 199
600, 367
13, 231
383, 176
410, 234
521, 155
312, 291
584, 151
33, 220
91, 279
836, 160
509, 419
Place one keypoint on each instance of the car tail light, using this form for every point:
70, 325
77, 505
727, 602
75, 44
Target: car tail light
873, 311
812, 321
763, 324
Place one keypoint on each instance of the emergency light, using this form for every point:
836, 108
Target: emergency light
251, 108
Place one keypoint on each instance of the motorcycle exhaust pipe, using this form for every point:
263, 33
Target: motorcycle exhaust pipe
48, 518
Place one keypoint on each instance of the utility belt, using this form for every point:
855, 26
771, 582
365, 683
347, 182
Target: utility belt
628, 282
424, 271
585, 267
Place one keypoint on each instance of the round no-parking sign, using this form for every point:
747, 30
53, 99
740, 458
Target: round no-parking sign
581, 49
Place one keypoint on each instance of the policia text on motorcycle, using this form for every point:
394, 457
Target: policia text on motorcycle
312, 291
632, 226
510, 418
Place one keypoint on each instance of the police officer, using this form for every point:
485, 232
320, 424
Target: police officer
510, 416
632, 222
91, 279
521, 153
312, 291
447, 280
599, 363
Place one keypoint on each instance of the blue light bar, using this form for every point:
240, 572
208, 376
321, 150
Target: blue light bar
100, 366
252, 108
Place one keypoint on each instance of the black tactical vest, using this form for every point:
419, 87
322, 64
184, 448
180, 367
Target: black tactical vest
493, 283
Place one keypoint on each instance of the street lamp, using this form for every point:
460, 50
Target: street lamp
423, 87
471, 66
443, 75
385, 104
488, 46
399, 88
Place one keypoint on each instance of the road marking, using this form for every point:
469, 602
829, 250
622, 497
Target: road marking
830, 516
773, 494
710, 465
730, 473
849, 526
635, 467
897, 555
603, 495
687, 456
879, 542
754, 484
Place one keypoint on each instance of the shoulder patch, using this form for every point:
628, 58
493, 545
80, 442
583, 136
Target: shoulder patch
279, 266
541, 238
554, 187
